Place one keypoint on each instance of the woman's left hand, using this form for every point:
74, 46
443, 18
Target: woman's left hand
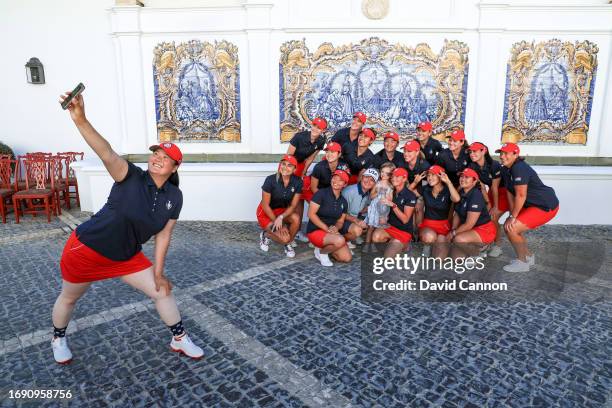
162, 282
278, 223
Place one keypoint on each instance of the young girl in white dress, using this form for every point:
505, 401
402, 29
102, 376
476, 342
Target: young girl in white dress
377, 211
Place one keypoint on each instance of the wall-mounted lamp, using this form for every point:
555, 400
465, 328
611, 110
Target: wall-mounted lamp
35, 71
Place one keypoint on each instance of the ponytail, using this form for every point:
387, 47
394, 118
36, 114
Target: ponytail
174, 178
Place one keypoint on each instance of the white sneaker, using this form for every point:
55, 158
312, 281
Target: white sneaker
293, 244
531, 259
323, 258
264, 242
301, 237
350, 245
517, 266
426, 250
495, 251
61, 352
185, 345
289, 251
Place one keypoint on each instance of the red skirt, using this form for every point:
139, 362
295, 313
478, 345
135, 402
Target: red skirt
396, 233
441, 227
306, 191
299, 170
487, 232
533, 217
263, 219
80, 264
316, 237
502, 200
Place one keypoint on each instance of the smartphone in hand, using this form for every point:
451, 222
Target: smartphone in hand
75, 92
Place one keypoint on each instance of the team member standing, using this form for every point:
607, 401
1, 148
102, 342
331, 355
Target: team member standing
388, 153
472, 225
326, 225
361, 157
491, 183
351, 133
429, 146
399, 232
141, 204
322, 173
276, 213
455, 158
531, 202
415, 164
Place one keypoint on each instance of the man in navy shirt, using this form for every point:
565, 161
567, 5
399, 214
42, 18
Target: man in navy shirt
429, 146
388, 153
351, 133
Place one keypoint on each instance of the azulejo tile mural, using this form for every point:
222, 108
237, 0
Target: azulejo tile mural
197, 91
397, 86
549, 91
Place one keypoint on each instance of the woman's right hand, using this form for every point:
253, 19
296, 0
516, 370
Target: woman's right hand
76, 108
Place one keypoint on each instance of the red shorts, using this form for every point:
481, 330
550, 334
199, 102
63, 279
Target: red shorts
316, 237
533, 217
396, 233
80, 264
299, 170
353, 179
263, 219
487, 232
306, 191
502, 200
441, 227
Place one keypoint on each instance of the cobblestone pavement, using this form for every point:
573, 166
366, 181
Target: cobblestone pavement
282, 332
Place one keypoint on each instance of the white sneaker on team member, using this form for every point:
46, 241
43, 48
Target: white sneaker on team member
323, 258
495, 251
350, 245
293, 244
264, 242
531, 259
185, 345
61, 352
301, 237
289, 251
517, 266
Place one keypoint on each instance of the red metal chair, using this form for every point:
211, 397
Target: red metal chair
7, 188
72, 180
39, 196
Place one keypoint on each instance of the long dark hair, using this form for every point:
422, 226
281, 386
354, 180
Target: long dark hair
174, 178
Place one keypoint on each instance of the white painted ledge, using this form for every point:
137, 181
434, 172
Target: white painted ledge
231, 191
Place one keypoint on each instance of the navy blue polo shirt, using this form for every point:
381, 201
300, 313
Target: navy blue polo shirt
473, 201
405, 198
436, 208
357, 163
538, 194
323, 173
303, 147
453, 166
343, 136
281, 195
398, 158
488, 172
420, 166
431, 150
135, 211
330, 208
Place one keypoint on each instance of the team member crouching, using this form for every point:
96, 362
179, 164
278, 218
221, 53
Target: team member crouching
399, 232
327, 222
472, 225
438, 195
360, 157
276, 213
322, 173
532, 204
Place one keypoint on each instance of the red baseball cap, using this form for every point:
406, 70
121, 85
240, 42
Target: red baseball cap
426, 126
509, 148
333, 147
342, 174
412, 146
391, 135
457, 135
320, 123
171, 150
435, 169
361, 116
477, 146
369, 133
470, 173
291, 159
400, 172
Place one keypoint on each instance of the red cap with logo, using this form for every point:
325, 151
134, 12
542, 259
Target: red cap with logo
369, 133
400, 172
509, 148
470, 173
477, 146
361, 116
333, 147
342, 174
435, 169
320, 123
426, 126
171, 150
291, 159
412, 146
457, 135
391, 135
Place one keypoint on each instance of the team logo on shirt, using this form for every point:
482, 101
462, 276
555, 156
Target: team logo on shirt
363, 162
465, 204
465, 162
293, 189
402, 201
517, 179
475, 206
169, 205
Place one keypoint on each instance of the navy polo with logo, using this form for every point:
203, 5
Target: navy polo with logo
472, 201
438, 207
330, 208
281, 195
451, 165
398, 158
304, 147
135, 211
538, 194
405, 198
323, 173
431, 150
488, 172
